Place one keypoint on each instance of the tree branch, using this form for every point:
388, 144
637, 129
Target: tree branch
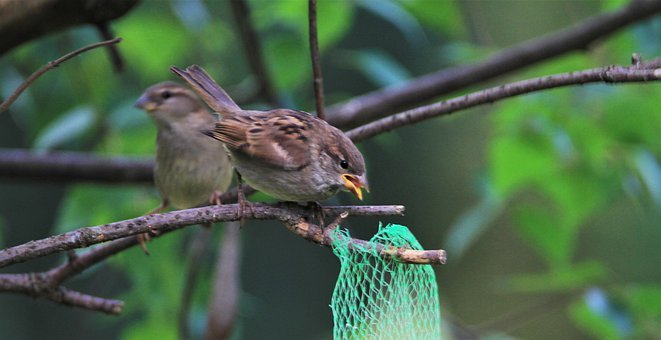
226, 285
318, 80
51, 65
387, 101
157, 223
253, 50
48, 284
22, 21
74, 166
642, 72
38, 286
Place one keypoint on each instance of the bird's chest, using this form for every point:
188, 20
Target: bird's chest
298, 185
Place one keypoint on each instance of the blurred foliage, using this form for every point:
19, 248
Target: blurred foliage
555, 163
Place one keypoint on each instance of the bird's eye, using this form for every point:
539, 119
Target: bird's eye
166, 94
344, 164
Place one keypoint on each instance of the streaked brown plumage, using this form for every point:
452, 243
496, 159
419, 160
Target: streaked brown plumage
290, 155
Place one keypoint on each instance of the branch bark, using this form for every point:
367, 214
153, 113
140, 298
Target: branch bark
158, 223
48, 284
643, 72
387, 101
22, 21
318, 79
37, 285
74, 166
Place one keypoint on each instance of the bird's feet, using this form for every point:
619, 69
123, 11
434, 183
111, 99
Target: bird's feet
318, 213
146, 237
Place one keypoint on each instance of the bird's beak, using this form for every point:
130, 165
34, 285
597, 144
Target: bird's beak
145, 103
355, 183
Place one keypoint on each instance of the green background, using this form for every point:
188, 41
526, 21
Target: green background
548, 204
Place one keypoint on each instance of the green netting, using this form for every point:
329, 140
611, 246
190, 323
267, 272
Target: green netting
377, 298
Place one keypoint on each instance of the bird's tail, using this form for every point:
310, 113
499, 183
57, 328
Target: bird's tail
214, 95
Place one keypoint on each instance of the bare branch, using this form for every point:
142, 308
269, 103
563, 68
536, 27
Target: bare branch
387, 101
314, 54
253, 50
74, 166
48, 284
227, 282
22, 21
51, 65
58, 275
317, 234
157, 223
643, 72
36, 286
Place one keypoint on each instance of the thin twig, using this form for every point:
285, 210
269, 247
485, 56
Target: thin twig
37, 286
316, 234
253, 50
85, 237
643, 72
384, 102
50, 65
318, 79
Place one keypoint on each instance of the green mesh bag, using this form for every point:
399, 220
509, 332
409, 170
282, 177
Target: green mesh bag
378, 298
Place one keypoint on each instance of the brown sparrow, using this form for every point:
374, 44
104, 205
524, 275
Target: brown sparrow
191, 169
290, 155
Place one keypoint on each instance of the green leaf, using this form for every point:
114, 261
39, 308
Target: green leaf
595, 325
644, 302
576, 276
471, 224
443, 16
334, 19
576, 194
157, 281
288, 60
68, 128
649, 172
88, 205
153, 43
397, 15
541, 228
382, 69
517, 161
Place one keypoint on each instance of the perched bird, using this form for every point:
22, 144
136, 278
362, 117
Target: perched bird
290, 155
191, 169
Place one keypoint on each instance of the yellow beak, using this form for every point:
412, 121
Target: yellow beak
355, 183
146, 104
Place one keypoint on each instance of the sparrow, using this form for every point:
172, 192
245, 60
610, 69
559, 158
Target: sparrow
191, 169
289, 155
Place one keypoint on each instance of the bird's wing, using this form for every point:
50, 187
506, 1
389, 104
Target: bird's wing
277, 138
